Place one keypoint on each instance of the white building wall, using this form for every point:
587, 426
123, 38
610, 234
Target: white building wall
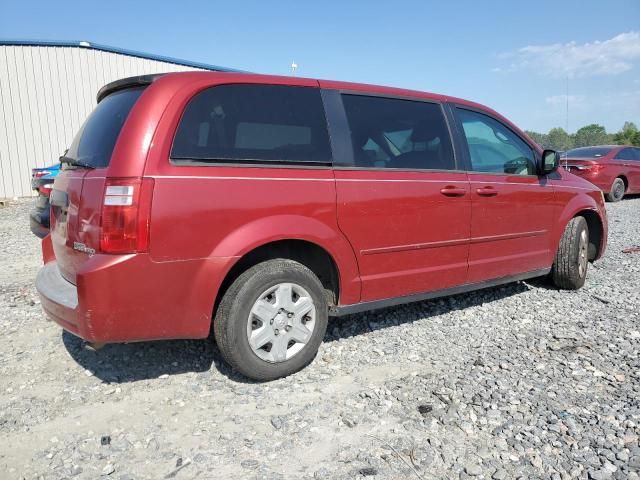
46, 92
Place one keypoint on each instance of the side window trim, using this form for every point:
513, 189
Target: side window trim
338, 127
463, 140
340, 139
463, 162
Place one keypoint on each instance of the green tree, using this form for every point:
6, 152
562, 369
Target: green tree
627, 135
540, 138
593, 134
559, 139
636, 138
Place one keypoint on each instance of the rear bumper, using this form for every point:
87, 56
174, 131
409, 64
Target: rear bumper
59, 297
125, 298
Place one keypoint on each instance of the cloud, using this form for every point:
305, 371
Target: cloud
608, 57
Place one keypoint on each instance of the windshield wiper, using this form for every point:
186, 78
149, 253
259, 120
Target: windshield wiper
75, 163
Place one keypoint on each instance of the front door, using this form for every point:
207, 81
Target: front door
402, 203
512, 207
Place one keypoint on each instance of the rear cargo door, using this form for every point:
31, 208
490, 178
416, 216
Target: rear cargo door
65, 204
76, 199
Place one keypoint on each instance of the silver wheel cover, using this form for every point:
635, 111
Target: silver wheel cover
281, 322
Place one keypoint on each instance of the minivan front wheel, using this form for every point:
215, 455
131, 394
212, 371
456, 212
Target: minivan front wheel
271, 320
569, 269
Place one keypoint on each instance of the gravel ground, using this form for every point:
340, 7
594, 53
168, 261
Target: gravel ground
521, 381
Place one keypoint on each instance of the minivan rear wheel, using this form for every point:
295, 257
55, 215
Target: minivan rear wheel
271, 320
617, 190
569, 269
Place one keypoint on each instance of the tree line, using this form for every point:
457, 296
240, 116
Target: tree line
594, 134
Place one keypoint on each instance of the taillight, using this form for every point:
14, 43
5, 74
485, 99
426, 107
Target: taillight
591, 167
586, 167
40, 173
126, 212
45, 189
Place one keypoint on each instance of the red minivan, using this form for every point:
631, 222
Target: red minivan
259, 206
614, 169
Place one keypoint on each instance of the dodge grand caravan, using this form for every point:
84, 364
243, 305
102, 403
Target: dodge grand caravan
258, 206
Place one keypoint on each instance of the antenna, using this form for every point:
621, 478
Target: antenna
294, 67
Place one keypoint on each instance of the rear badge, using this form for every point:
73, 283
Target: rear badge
81, 247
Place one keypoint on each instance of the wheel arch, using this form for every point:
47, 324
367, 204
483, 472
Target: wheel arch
306, 240
590, 206
309, 254
596, 232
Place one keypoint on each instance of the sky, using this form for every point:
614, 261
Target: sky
516, 57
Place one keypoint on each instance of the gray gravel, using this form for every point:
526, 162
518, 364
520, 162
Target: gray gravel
520, 381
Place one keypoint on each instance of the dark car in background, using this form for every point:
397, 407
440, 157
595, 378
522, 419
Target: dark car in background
42, 181
614, 169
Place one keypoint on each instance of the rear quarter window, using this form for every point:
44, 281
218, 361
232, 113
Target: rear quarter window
253, 123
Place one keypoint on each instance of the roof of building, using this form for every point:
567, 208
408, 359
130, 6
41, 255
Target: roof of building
106, 48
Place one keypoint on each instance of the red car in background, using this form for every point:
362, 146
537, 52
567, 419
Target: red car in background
615, 169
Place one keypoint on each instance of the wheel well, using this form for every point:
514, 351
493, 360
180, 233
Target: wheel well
312, 256
595, 232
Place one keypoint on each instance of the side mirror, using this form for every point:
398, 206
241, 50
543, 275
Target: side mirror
550, 162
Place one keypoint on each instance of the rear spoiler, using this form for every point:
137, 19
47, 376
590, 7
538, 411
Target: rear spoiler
141, 80
128, 82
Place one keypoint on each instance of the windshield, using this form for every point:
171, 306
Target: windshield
94, 142
588, 152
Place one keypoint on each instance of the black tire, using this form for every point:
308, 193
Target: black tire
617, 191
572, 254
233, 313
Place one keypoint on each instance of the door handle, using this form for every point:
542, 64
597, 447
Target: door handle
451, 191
487, 191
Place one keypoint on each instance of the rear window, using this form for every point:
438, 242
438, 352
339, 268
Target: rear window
94, 142
253, 123
588, 152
